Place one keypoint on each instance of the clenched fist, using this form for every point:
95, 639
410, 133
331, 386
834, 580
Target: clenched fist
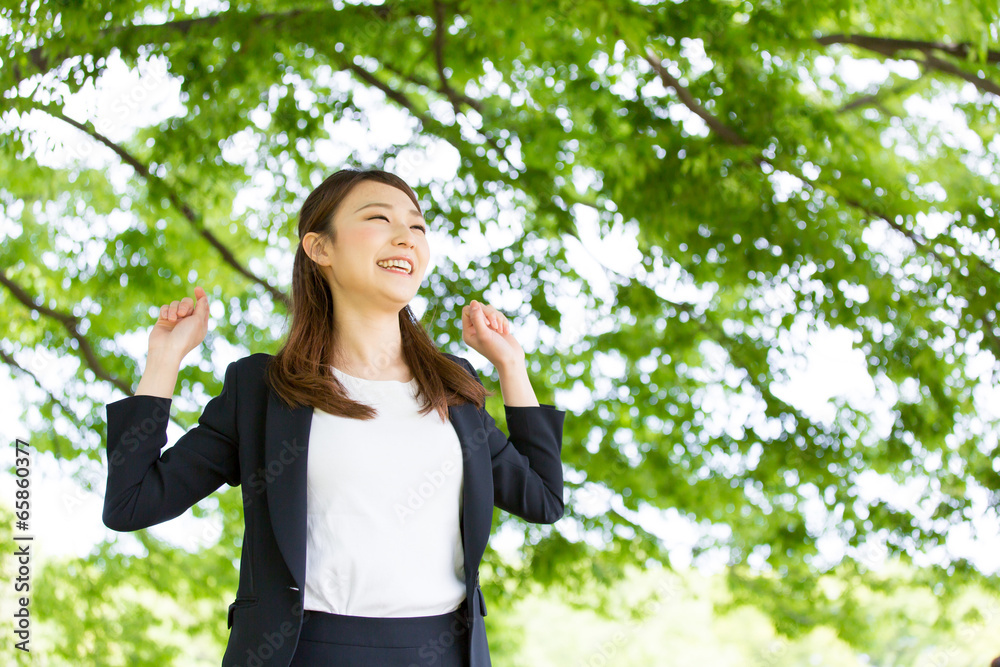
486, 330
181, 326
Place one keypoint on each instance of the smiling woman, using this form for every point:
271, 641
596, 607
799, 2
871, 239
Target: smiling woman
359, 443
350, 308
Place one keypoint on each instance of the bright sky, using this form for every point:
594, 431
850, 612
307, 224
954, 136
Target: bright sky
66, 518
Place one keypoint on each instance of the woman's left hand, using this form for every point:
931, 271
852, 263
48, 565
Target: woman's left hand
487, 331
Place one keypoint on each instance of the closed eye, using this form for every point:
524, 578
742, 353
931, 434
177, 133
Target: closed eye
420, 227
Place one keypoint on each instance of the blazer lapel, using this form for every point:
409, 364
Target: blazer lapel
286, 455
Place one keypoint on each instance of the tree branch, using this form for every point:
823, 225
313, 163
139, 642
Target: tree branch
454, 96
390, 92
186, 210
52, 398
409, 77
69, 322
889, 45
717, 126
162, 31
875, 99
980, 82
732, 137
404, 102
892, 47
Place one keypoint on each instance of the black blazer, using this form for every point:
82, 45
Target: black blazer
247, 436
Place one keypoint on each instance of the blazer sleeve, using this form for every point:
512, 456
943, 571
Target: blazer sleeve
527, 466
146, 487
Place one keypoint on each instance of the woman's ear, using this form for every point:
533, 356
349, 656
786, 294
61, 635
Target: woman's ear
313, 246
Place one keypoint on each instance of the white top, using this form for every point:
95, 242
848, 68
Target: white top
383, 503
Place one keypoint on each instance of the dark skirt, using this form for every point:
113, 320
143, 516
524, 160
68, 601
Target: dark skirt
337, 640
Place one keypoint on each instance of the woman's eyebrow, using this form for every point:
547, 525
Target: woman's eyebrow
413, 211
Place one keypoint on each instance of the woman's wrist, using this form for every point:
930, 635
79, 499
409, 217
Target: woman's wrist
510, 365
159, 378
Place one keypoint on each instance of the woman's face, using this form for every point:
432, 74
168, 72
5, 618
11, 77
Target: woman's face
377, 222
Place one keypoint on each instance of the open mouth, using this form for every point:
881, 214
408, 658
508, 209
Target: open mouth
396, 269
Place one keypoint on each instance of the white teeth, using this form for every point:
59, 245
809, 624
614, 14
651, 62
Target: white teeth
396, 264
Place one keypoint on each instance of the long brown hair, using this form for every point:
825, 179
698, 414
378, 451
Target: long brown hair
299, 373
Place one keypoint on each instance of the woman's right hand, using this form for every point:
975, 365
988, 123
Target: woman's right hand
181, 326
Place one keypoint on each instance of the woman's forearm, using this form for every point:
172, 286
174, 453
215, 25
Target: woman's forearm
515, 386
160, 375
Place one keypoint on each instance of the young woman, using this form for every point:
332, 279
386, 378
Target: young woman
368, 463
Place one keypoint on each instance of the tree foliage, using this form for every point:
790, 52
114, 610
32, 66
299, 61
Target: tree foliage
770, 197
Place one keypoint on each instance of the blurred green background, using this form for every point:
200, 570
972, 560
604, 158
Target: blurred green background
750, 246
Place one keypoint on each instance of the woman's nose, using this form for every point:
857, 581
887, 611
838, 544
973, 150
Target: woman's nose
408, 235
